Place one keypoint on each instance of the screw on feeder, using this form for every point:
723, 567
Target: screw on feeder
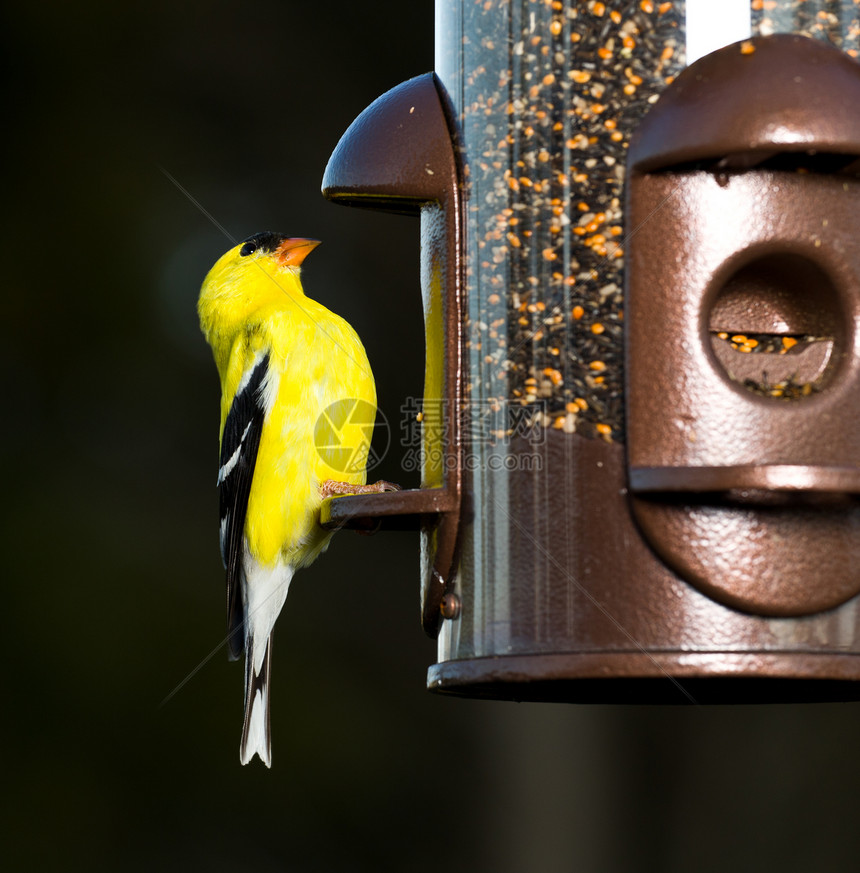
450, 606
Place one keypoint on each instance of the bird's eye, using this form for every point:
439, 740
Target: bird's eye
247, 249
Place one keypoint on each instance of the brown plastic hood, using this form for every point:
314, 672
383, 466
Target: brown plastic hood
777, 93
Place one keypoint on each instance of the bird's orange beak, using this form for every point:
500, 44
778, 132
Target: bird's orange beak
291, 252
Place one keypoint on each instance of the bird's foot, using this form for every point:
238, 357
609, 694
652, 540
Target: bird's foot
332, 488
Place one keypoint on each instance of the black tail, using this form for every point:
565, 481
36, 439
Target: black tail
256, 731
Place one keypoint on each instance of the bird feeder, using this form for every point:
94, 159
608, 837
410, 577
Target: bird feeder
641, 279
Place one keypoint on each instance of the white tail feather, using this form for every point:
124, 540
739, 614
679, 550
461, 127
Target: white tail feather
264, 591
256, 734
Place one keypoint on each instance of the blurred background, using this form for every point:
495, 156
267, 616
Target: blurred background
122, 714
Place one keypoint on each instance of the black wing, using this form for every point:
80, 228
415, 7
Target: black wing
239, 445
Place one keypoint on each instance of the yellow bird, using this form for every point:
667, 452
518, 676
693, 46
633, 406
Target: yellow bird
298, 403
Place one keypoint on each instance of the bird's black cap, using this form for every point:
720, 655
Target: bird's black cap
266, 240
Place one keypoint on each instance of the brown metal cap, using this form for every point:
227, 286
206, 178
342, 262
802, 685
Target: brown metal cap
771, 94
397, 155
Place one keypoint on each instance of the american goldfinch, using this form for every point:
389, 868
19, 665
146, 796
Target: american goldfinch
298, 402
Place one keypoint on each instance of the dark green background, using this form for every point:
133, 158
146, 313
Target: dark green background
112, 580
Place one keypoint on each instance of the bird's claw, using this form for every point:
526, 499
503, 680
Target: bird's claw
333, 488
382, 485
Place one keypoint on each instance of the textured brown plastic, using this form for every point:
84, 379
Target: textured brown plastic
398, 156
750, 101
612, 623
749, 496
